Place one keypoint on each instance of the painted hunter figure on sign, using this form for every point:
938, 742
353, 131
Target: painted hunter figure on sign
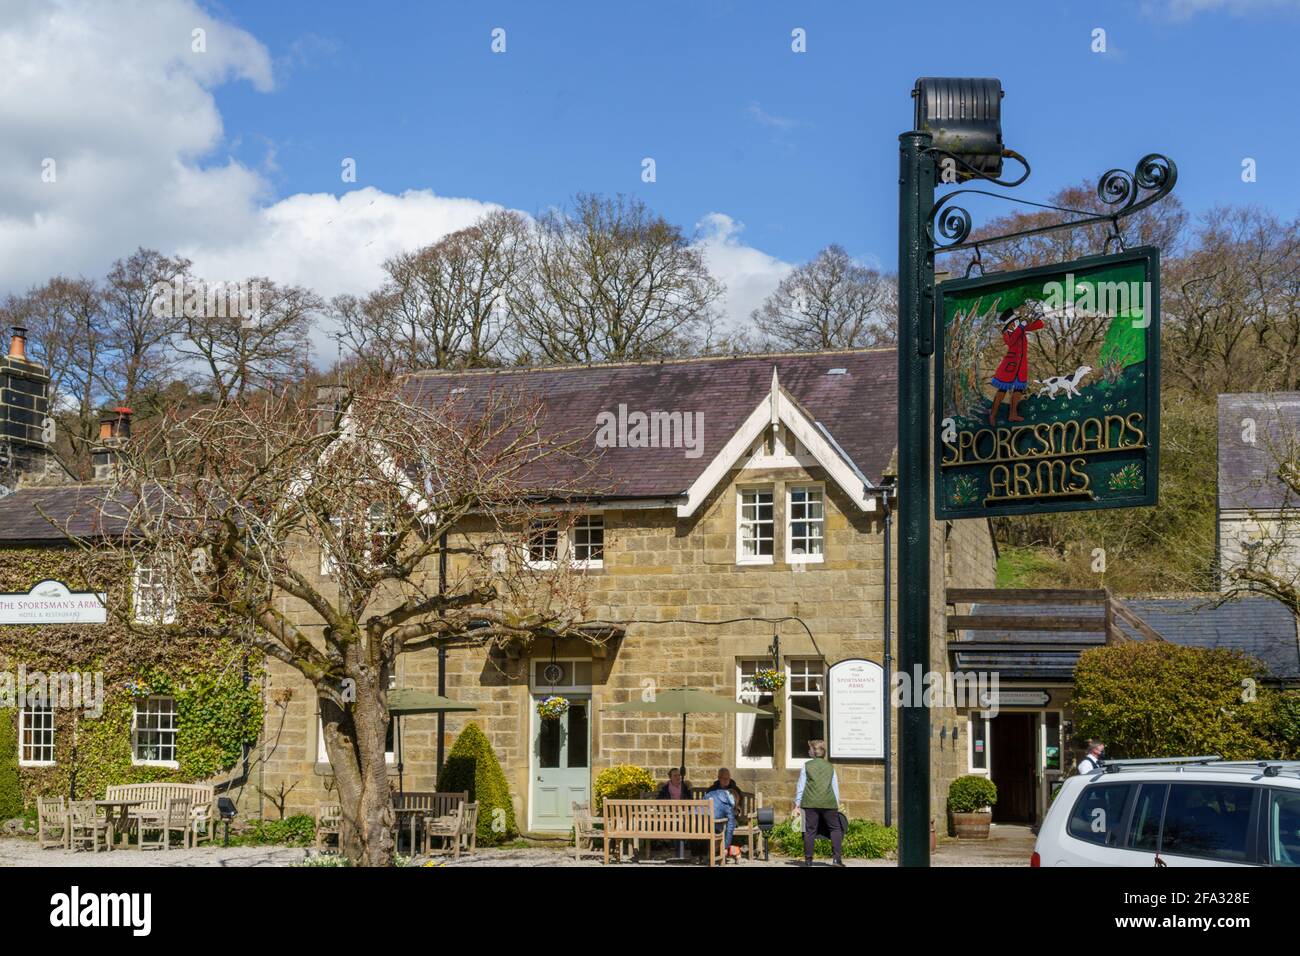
1012, 374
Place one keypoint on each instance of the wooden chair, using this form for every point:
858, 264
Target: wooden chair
747, 808
51, 819
447, 828
86, 827
329, 817
586, 831
468, 840
176, 817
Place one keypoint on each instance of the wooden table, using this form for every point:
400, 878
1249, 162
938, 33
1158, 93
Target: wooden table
125, 807
412, 814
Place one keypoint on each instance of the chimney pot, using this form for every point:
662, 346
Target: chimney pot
18, 343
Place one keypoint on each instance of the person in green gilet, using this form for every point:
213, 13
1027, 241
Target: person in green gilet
818, 795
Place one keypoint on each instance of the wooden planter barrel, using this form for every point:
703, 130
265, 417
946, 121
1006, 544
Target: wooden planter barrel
972, 826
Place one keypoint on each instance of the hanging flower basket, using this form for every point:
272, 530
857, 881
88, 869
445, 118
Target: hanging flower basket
552, 708
769, 678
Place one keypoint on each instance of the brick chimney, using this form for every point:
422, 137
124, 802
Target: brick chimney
25, 455
114, 432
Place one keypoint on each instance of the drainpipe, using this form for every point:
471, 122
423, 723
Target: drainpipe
442, 649
888, 664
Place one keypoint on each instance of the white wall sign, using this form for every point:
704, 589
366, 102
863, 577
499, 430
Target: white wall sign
1015, 698
50, 602
855, 711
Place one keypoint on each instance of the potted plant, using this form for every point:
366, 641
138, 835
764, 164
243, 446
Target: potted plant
552, 708
970, 802
769, 679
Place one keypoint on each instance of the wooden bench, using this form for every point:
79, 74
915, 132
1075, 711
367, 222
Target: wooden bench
661, 820
156, 797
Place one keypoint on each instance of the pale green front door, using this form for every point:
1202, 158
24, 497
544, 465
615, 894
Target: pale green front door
561, 765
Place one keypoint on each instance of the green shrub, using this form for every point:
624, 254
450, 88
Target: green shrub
622, 781
971, 793
1157, 699
298, 830
11, 793
473, 766
864, 839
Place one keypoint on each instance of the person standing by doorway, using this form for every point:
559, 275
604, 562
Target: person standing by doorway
1091, 761
818, 796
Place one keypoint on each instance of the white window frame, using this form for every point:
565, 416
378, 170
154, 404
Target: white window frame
793, 762
790, 555
741, 523
24, 729
583, 522
565, 546
743, 762
136, 759
162, 606
542, 527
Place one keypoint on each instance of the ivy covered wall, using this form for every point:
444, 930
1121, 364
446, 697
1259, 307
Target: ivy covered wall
215, 681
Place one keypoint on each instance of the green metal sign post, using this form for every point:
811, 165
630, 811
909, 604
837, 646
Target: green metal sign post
915, 345
1107, 459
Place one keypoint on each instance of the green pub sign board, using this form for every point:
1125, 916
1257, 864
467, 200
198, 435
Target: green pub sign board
1047, 388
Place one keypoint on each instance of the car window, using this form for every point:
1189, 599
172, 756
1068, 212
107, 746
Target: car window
1284, 828
1144, 831
1099, 813
1209, 820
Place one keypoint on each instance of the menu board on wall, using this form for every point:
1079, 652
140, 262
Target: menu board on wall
855, 699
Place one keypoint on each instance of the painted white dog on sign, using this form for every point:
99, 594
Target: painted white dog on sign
1069, 384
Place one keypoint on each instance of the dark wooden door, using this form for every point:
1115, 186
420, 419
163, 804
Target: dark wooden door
1013, 767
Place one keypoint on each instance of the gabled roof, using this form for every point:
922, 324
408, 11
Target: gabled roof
850, 396
1253, 624
1257, 432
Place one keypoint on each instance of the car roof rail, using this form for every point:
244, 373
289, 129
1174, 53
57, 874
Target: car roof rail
1132, 763
1270, 768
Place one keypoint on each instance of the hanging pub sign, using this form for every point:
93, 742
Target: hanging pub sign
50, 602
1047, 388
855, 699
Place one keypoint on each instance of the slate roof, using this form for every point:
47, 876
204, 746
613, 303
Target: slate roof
78, 508
1254, 624
859, 407
1248, 471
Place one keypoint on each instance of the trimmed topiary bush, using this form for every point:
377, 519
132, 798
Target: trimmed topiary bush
864, 839
622, 781
472, 765
11, 793
971, 794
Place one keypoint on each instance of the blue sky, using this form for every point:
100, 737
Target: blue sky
231, 155
800, 148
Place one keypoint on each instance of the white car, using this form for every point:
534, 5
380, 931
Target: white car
1176, 811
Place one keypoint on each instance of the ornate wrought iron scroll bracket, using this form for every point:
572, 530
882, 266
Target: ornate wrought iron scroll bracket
949, 226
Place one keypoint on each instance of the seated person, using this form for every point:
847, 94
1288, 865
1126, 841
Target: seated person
725, 796
676, 788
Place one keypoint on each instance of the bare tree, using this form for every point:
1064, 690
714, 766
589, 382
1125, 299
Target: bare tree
139, 334
608, 280
321, 528
246, 345
831, 302
443, 306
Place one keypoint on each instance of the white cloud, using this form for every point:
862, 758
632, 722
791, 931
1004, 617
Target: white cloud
1185, 9
749, 274
116, 97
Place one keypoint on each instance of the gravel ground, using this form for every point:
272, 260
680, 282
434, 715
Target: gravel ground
1006, 846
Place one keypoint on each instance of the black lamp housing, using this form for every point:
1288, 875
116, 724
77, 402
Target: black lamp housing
964, 117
